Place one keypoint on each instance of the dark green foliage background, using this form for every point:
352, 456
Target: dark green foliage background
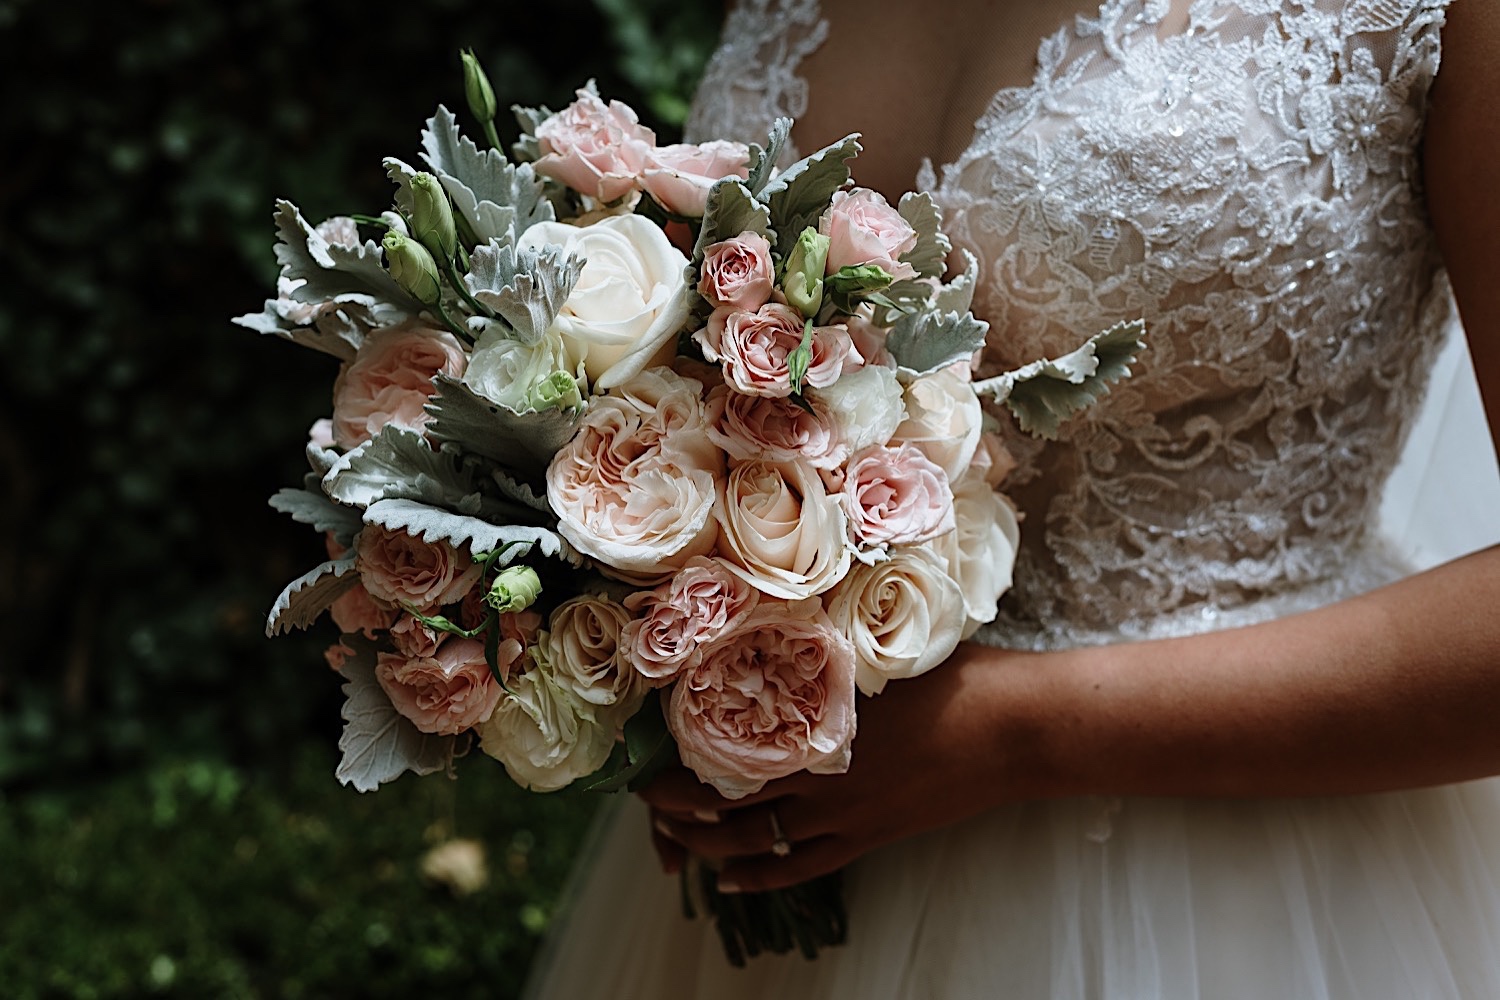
144, 143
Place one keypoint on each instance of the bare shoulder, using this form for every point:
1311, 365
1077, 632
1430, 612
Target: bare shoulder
1461, 163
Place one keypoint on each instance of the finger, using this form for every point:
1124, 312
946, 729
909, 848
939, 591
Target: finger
679, 791
739, 831
808, 860
671, 854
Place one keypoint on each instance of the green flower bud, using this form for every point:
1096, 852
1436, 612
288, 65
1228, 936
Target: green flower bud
801, 357
515, 588
412, 267
477, 89
432, 217
802, 281
559, 390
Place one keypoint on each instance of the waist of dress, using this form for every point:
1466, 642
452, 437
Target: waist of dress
1371, 563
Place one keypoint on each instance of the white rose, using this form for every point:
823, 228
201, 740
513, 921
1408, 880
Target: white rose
943, 418
631, 299
503, 370
904, 616
546, 736
780, 531
866, 405
584, 650
981, 553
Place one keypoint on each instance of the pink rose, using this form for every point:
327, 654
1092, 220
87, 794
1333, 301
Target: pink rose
701, 602
896, 496
864, 229
773, 428
753, 349
447, 692
390, 380
679, 176
595, 148
771, 698
414, 639
400, 569
635, 486
737, 273
353, 611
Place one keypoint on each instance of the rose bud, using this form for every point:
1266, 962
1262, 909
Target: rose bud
412, 267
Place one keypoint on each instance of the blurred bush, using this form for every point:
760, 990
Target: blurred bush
146, 142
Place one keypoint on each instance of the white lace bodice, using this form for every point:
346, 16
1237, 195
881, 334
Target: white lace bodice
1251, 186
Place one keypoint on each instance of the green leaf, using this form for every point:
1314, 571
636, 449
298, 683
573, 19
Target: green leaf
730, 210
378, 743
522, 442
930, 255
315, 509
499, 200
763, 161
1045, 393
330, 272
308, 596
527, 287
799, 194
475, 534
648, 747
928, 340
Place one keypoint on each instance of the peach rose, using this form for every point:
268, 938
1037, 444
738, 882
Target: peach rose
904, 616
737, 273
679, 176
753, 349
545, 735
585, 649
863, 228
771, 698
390, 380
780, 531
896, 496
701, 602
595, 148
400, 569
635, 486
448, 692
772, 428
354, 611
414, 639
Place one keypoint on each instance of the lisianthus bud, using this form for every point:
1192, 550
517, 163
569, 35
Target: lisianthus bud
798, 361
412, 267
477, 89
802, 283
432, 217
558, 390
515, 588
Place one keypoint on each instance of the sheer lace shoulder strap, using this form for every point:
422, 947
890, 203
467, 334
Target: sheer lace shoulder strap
752, 78
1399, 37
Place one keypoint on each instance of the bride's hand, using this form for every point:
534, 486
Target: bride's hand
930, 751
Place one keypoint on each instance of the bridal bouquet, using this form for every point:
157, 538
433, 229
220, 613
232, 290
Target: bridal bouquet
642, 453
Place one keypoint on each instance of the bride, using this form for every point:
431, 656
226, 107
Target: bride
1223, 742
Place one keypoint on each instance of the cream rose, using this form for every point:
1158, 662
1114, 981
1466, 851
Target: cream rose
863, 228
448, 692
866, 405
390, 380
701, 602
400, 569
630, 300
584, 646
904, 615
981, 552
737, 273
595, 148
768, 699
545, 735
753, 348
781, 531
679, 176
896, 496
944, 419
774, 429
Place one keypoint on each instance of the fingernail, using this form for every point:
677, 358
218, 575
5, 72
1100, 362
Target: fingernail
665, 829
706, 815
728, 887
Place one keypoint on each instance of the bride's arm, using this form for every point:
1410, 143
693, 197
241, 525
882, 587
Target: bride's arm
1394, 689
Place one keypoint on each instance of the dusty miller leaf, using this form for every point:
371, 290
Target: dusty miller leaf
328, 335
500, 200
526, 286
398, 462
474, 534
332, 272
378, 743
523, 442
730, 210
315, 509
925, 341
763, 161
930, 255
958, 294
799, 194
525, 149
1045, 393
308, 596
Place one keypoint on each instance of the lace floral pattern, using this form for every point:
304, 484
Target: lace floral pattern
1251, 186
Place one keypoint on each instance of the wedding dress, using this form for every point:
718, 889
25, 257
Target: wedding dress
1249, 183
